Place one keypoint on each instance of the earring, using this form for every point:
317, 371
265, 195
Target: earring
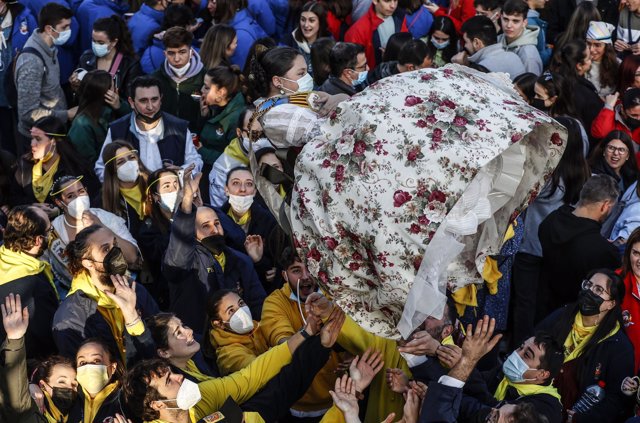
281, 91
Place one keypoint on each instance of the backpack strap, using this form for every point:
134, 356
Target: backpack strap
33, 51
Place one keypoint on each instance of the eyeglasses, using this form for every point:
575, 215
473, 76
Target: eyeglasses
620, 150
596, 289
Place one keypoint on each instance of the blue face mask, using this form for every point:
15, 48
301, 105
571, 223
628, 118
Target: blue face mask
63, 37
514, 368
362, 76
100, 50
440, 46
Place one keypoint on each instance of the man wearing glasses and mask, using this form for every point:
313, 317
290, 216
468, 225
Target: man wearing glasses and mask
103, 302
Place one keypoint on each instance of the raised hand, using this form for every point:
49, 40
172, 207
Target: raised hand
363, 369
330, 331
421, 343
119, 418
397, 381
411, 408
124, 297
89, 219
318, 305
189, 187
344, 397
254, 246
479, 342
15, 319
449, 355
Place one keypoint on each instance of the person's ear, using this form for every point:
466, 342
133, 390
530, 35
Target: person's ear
163, 354
87, 264
217, 324
553, 99
285, 276
543, 374
447, 330
131, 102
58, 203
410, 67
157, 405
115, 42
276, 81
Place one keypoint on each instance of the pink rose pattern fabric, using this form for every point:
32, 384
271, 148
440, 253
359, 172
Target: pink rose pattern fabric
377, 178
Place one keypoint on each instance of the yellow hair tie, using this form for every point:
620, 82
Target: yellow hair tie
78, 179
162, 177
119, 155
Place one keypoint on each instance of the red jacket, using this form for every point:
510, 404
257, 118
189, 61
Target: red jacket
610, 120
631, 315
338, 27
364, 32
459, 15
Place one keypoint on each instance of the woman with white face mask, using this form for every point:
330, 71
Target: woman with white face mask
279, 71
233, 334
254, 219
50, 156
72, 197
164, 195
125, 184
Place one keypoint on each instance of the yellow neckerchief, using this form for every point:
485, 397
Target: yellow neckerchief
465, 296
243, 220
41, 183
578, 337
52, 414
524, 389
133, 196
15, 265
92, 405
106, 306
248, 417
221, 259
281, 191
193, 370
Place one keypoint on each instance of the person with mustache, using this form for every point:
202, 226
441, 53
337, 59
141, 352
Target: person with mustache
103, 302
26, 238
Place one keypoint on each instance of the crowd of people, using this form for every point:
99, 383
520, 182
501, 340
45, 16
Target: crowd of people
148, 271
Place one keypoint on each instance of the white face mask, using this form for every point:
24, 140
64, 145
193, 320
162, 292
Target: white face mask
169, 200
63, 37
241, 322
93, 377
188, 396
304, 84
78, 205
180, 71
100, 50
129, 171
240, 203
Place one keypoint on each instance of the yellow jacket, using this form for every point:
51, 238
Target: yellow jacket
280, 320
235, 351
242, 384
382, 400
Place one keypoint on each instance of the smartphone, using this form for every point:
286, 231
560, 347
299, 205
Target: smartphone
116, 81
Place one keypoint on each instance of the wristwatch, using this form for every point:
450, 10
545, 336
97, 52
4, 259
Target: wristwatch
304, 333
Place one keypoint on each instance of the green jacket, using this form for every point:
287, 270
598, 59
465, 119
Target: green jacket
88, 136
176, 97
15, 402
220, 130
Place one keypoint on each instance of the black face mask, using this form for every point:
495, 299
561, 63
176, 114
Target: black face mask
63, 399
539, 104
114, 262
589, 302
632, 123
146, 119
214, 243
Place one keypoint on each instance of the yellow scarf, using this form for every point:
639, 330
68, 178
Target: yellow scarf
15, 265
579, 336
249, 417
133, 196
106, 306
92, 405
525, 389
281, 191
41, 183
193, 370
221, 259
52, 414
243, 220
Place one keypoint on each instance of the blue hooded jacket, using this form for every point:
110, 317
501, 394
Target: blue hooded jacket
142, 25
23, 25
248, 31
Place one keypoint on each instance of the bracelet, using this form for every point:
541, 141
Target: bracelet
135, 322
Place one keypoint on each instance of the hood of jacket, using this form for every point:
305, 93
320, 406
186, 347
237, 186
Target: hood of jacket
528, 37
302, 45
253, 340
195, 66
485, 52
566, 226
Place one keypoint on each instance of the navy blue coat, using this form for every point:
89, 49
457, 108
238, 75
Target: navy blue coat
142, 25
194, 274
90, 11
